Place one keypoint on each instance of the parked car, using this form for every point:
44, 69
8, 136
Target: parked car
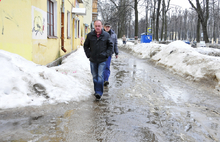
186, 41
202, 44
130, 38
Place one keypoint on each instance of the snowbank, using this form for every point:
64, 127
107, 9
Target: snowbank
180, 58
25, 83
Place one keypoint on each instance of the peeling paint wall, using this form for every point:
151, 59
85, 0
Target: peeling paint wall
45, 50
15, 35
23, 29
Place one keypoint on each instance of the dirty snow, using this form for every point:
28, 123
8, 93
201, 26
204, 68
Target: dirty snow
25, 83
180, 58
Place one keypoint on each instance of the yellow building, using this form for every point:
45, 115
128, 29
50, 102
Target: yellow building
94, 9
43, 30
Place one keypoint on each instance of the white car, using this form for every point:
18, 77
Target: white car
202, 44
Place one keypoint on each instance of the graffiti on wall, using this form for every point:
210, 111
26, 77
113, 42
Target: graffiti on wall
39, 28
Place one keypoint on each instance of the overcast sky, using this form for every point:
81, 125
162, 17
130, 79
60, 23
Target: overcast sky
183, 3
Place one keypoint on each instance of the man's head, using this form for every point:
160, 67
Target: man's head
107, 27
98, 26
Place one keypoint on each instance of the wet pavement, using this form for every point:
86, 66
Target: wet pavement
143, 103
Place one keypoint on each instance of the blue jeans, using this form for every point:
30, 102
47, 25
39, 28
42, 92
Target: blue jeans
107, 69
97, 70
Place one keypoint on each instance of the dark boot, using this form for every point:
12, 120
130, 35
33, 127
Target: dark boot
98, 96
106, 83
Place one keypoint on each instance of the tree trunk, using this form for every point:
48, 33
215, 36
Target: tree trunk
163, 19
214, 23
165, 37
136, 19
157, 20
153, 21
146, 18
198, 31
203, 16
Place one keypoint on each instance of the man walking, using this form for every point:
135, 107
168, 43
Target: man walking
98, 47
113, 36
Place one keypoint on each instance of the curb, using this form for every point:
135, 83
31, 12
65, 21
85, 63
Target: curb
59, 60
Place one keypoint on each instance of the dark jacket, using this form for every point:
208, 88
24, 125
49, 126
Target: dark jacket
115, 42
98, 49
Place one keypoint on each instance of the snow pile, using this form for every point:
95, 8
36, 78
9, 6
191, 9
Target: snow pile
182, 59
26, 83
208, 51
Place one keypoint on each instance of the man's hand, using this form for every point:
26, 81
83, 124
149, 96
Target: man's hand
116, 56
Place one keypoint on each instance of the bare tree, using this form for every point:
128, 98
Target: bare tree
153, 16
168, 21
203, 16
163, 19
148, 4
214, 17
136, 18
184, 32
165, 9
157, 19
118, 13
107, 11
198, 30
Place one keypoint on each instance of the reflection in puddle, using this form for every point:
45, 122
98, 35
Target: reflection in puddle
176, 94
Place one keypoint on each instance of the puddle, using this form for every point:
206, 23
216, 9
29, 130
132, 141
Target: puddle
142, 103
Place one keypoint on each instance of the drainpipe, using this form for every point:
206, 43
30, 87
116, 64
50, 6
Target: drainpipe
62, 27
72, 29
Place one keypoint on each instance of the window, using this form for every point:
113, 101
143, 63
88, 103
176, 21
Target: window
75, 28
68, 24
51, 17
78, 29
77, 4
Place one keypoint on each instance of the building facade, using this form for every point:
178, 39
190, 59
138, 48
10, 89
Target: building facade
44, 30
94, 10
